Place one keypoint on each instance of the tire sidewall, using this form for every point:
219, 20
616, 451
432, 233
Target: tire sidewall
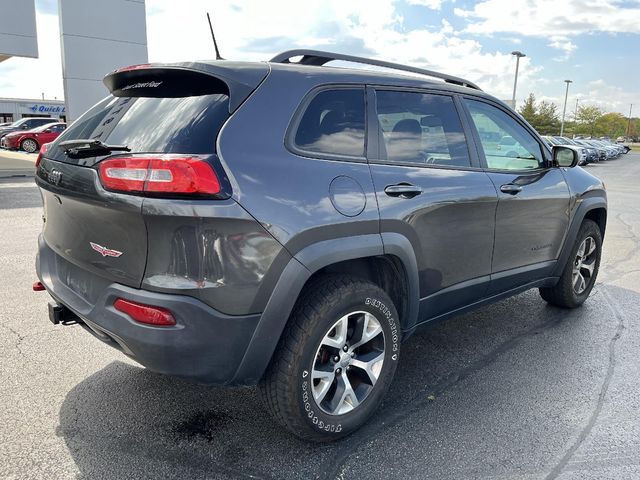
588, 229
367, 299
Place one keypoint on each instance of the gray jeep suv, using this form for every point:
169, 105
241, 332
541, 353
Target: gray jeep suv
289, 224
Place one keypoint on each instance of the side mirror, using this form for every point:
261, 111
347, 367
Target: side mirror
24, 126
565, 156
48, 130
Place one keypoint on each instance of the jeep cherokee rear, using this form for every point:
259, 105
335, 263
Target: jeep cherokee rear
289, 224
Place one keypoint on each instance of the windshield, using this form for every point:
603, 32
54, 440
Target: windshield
17, 123
42, 128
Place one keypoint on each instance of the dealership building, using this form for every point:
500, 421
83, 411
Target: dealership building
96, 37
12, 109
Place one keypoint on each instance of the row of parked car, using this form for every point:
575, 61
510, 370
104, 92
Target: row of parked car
29, 134
591, 150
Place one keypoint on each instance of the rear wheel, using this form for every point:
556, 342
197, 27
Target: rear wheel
581, 270
29, 145
336, 359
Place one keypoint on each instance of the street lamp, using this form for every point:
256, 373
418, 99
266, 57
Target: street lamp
518, 55
564, 110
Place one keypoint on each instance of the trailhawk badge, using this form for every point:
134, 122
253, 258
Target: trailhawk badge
104, 251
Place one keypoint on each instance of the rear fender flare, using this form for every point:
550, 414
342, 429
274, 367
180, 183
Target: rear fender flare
292, 280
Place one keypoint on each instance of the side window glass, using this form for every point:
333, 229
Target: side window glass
420, 128
333, 123
507, 145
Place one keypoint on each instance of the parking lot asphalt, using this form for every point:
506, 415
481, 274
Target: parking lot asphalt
517, 389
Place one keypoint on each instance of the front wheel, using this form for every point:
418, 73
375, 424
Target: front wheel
580, 272
336, 359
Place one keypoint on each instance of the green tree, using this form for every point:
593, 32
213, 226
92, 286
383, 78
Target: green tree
542, 116
528, 109
611, 124
587, 118
547, 120
634, 127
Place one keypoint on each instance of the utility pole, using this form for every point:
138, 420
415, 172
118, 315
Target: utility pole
564, 109
629, 122
518, 55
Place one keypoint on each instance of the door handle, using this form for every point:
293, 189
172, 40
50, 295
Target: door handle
403, 190
511, 189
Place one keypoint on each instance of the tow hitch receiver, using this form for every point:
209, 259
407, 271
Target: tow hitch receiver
59, 314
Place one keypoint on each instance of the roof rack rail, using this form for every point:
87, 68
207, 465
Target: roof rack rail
319, 58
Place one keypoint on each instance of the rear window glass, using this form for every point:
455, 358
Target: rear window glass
150, 125
333, 124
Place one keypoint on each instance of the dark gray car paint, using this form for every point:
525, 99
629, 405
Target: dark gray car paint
204, 345
283, 199
212, 250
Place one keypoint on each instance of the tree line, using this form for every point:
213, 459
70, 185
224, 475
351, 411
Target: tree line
588, 120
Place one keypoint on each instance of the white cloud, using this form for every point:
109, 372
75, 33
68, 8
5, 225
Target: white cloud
256, 30
545, 18
599, 93
563, 44
432, 4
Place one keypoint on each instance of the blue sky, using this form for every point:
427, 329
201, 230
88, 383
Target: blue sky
595, 43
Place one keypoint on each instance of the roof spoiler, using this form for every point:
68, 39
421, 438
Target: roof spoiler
235, 79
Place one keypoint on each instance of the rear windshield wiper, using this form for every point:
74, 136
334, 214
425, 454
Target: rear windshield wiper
82, 148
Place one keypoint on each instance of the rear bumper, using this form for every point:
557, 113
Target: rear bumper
205, 345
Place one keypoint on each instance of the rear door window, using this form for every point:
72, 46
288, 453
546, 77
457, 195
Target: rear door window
333, 124
150, 125
420, 129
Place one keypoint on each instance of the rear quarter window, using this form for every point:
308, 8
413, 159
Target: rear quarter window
332, 124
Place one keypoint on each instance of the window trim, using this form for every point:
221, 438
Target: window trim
294, 123
546, 159
475, 164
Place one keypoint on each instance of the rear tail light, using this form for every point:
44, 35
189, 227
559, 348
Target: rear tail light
147, 314
157, 175
43, 150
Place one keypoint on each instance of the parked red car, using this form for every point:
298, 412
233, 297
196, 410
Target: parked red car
31, 140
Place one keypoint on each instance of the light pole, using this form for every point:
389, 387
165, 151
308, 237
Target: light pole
629, 122
564, 110
518, 55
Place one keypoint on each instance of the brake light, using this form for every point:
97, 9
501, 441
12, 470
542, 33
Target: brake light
134, 67
147, 314
162, 174
43, 150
